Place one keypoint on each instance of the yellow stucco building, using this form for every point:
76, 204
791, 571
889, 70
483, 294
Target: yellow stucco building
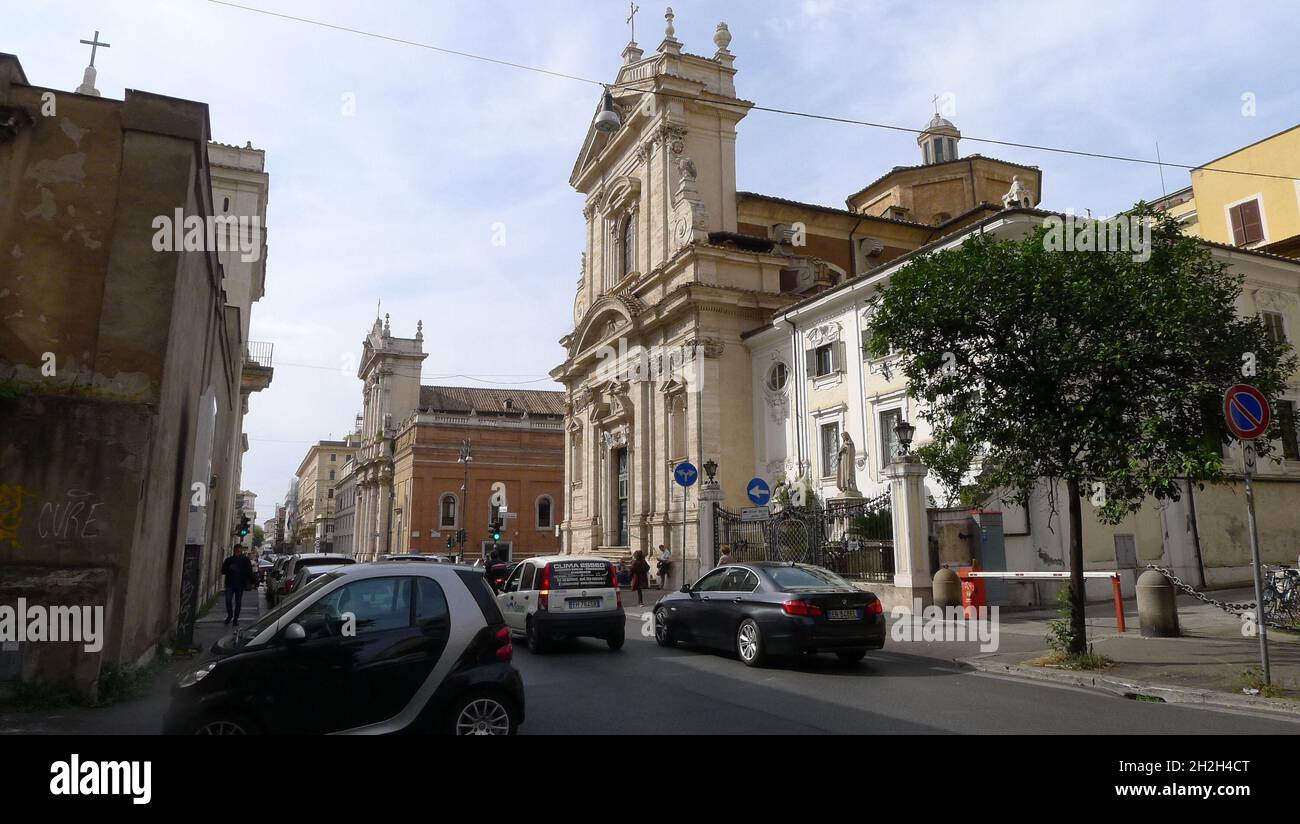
1247, 198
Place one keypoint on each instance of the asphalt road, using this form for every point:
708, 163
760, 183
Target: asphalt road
581, 687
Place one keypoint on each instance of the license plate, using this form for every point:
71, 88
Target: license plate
842, 614
583, 603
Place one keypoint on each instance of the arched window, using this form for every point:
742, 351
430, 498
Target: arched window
629, 245
447, 511
544, 512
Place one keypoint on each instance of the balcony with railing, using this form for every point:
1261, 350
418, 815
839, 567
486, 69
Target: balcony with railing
257, 371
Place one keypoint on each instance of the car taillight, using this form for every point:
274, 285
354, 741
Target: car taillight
544, 591
505, 650
288, 586
876, 608
801, 608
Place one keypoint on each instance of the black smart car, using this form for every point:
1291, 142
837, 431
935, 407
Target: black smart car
769, 609
369, 648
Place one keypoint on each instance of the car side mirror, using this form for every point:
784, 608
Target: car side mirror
294, 633
686, 588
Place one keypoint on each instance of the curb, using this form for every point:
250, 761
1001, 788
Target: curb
1134, 689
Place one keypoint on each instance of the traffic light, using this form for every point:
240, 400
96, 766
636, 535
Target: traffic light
449, 542
496, 531
244, 528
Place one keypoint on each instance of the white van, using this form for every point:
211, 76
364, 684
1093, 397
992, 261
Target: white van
563, 596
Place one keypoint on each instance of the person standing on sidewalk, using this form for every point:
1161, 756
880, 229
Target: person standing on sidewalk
238, 572
640, 574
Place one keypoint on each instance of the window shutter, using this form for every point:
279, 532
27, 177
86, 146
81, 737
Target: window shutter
837, 364
811, 357
1251, 224
1238, 233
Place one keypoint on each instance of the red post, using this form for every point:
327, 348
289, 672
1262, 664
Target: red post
1119, 603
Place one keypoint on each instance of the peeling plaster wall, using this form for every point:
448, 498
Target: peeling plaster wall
138, 336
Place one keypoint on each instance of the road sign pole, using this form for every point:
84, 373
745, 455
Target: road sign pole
686, 490
1249, 449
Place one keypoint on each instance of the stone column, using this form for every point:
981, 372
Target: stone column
709, 499
912, 577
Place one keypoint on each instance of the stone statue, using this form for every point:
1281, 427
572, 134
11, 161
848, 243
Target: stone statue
845, 477
687, 169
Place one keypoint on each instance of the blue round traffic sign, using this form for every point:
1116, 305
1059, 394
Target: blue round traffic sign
758, 491
685, 474
1246, 411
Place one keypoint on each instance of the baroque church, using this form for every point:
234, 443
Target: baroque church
679, 261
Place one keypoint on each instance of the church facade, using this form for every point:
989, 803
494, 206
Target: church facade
680, 268
408, 486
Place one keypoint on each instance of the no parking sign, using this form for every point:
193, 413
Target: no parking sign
1246, 411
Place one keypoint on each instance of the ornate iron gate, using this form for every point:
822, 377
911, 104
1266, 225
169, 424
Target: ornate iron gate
854, 538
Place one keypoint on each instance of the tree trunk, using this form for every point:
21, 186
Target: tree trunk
1078, 629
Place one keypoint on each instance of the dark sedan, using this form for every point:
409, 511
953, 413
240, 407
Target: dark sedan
768, 609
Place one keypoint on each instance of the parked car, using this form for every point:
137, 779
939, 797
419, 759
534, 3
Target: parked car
366, 648
289, 578
263, 566
562, 596
275, 579
769, 609
310, 572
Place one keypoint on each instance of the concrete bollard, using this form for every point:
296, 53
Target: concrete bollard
947, 588
1157, 609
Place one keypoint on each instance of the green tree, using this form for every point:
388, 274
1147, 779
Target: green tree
259, 535
1090, 368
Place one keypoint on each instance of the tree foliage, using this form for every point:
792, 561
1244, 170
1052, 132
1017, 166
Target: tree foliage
1093, 368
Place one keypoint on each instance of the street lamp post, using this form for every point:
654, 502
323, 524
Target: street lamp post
464, 460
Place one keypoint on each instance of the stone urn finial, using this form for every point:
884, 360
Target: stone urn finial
722, 37
669, 32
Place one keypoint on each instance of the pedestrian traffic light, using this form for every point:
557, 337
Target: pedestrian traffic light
243, 526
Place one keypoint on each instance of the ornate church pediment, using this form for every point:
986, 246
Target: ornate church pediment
621, 310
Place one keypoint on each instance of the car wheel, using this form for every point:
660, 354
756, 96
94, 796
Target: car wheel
664, 634
749, 644
536, 645
482, 712
226, 723
615, 641
851, 656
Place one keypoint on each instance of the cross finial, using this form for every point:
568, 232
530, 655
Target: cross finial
94, 45
936, 104
631, 18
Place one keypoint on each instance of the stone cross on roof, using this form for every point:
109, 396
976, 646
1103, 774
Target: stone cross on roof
94, 45
631, 19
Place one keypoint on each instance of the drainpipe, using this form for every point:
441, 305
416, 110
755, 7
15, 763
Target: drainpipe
853, 257
1196, 532
796, 390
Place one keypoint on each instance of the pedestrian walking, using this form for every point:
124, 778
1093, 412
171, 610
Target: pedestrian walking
640, 575
238, 572
665, 565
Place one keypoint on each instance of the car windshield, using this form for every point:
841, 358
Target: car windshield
790, 578
281, 608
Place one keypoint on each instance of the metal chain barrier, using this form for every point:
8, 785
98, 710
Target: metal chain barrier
1236, 609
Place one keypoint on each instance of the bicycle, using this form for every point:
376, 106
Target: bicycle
1281, 594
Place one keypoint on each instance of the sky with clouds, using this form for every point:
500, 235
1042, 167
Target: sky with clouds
401, 201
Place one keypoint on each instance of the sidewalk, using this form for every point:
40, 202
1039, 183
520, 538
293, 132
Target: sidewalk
1204, 666
142, 715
